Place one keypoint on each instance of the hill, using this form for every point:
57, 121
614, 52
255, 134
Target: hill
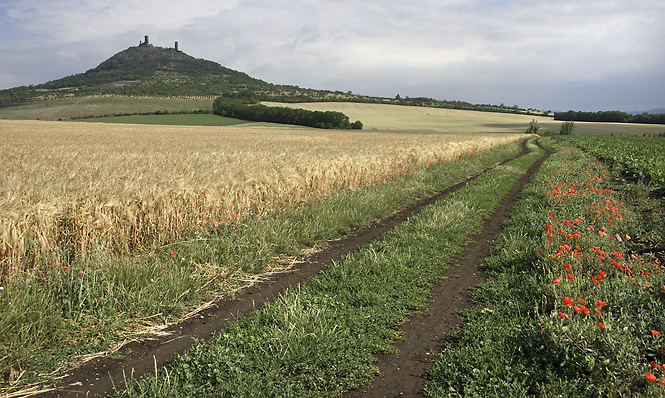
142, 70
151, 71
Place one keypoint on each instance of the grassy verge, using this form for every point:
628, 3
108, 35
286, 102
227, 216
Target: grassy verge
320, 338
53, 317
574, 307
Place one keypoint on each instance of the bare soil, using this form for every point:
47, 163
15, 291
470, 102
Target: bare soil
402, 375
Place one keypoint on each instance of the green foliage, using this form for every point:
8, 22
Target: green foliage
240, 109
533, 127
610, 116
567, 128
530, 336
640, 157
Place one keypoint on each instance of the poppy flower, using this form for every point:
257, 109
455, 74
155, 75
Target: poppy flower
568, 301
650, 376
570, 277
562, 315
655, 333
601, 325
557, 280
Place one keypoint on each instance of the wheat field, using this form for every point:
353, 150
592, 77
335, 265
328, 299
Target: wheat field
76, 185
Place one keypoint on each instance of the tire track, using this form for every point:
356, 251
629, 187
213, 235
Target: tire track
102, 376
403, 374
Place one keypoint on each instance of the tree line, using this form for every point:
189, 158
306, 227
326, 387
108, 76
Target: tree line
243, 106
611, 116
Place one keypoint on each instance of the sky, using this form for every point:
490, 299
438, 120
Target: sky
585, 55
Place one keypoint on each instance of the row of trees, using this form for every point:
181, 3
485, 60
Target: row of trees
611, 116
244, 108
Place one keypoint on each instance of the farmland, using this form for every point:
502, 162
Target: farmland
112, 231
646, 165
104, 105
575, 304
96, 215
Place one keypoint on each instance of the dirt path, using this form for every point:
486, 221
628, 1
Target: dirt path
103, 375
403, 374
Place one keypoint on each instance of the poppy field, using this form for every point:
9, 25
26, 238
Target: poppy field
576, 302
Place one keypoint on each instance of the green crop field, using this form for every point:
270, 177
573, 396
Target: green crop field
642, 158
104, 105
185, 119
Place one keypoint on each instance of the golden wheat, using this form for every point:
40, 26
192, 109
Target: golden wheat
79, 185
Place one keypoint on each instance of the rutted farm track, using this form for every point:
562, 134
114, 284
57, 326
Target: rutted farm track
400, 373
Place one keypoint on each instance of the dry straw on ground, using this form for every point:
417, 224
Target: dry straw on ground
79, 185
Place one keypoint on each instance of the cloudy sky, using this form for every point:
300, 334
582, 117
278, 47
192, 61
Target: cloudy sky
559, 55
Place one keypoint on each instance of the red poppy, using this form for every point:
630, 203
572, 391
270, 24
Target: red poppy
655, 333
601, 325
570, 277
650, 376
562, 315
557, 280
568, 301
173, 253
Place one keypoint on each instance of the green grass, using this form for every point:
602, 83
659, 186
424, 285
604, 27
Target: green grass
109, 105
524, 339
320, 338
50, 319
179, 119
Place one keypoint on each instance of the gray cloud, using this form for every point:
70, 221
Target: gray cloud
555, 55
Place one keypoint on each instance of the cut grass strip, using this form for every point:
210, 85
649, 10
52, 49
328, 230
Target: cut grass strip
558, 318
319, 339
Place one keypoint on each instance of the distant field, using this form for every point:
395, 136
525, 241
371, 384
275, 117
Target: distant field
406, 118
74, 108
186, 119
380, 117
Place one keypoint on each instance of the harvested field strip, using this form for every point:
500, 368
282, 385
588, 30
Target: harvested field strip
572, 307
320, 338
54, 311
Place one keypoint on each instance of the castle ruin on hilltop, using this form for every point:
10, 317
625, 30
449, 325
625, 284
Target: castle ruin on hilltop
146, 43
